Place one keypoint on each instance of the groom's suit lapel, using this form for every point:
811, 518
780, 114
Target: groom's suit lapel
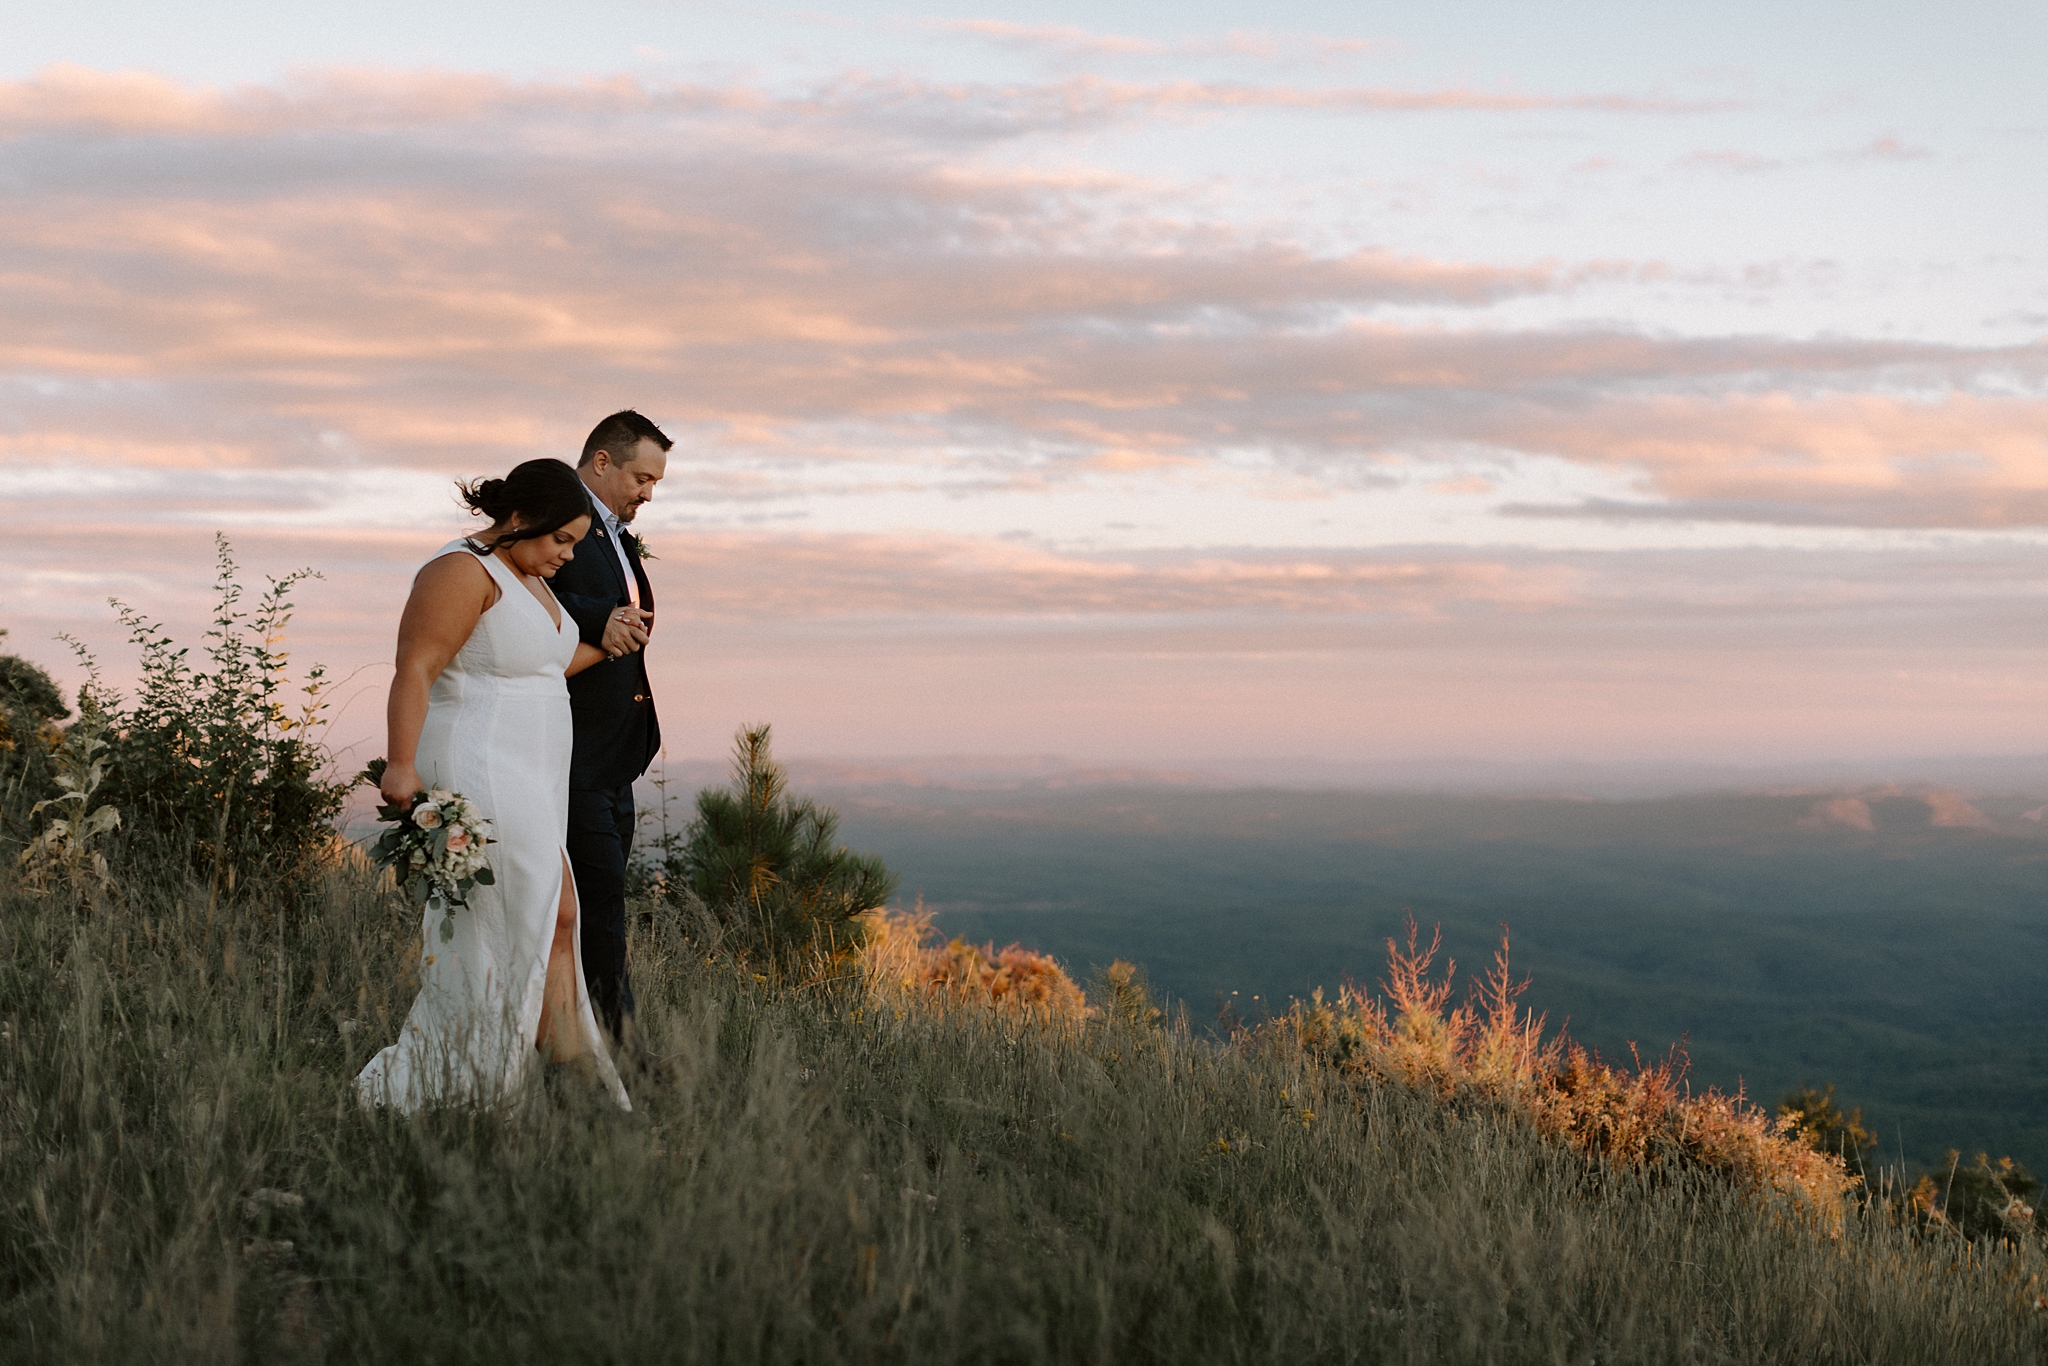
639, 573
604, 548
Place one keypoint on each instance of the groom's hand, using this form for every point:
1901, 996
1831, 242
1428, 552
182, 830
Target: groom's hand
625, 631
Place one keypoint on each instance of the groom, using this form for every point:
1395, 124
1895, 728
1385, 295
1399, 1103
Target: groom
606, 591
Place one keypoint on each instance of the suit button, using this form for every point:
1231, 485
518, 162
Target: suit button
639, 697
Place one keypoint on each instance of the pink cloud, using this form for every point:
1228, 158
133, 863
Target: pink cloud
1839, 813
263, 279
1949, 810
1070, 41
1745, 162
1066, 39
1875, 459
78, 100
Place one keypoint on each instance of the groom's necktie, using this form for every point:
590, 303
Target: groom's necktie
615, 532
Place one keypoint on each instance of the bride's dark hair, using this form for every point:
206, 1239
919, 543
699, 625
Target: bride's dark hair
546, 494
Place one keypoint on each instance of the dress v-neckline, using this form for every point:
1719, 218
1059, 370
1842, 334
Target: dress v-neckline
554, 614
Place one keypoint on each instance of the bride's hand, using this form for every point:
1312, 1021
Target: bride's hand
400, 785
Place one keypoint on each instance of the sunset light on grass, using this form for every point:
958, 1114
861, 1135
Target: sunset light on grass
700, 682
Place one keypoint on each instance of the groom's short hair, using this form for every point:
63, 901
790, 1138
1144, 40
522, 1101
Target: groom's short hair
620, 435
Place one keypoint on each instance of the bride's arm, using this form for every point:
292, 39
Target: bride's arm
447, 599
586, 655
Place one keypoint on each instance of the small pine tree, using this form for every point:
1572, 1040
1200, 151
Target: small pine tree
1126, 995
786, 894
1825, 1128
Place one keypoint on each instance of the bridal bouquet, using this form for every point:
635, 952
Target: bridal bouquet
435, 848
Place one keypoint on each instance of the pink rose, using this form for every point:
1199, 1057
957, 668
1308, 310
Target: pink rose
458, 839
426, 816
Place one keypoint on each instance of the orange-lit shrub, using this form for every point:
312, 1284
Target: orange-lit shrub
901, 954
1491, 1047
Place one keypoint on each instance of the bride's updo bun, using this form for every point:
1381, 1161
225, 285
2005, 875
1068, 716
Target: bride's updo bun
546, 495
488, 497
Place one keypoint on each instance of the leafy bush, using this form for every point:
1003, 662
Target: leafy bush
1823, 1126
787, 897
26, 690
1990, 1200
30, 707
901, 955
210, 764
1638, 1117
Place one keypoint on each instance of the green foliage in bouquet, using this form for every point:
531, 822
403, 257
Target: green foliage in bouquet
769, 868
434, 848
209, 760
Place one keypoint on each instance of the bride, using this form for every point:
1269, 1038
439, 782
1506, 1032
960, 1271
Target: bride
480, 706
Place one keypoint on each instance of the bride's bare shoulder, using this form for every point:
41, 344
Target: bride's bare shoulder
456, 573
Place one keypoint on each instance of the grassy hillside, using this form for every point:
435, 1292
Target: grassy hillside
826, 1176
1907, 964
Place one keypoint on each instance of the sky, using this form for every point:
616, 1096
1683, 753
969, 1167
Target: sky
1305, 384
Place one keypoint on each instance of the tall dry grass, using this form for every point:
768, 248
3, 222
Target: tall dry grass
1490, 1048
832, 1175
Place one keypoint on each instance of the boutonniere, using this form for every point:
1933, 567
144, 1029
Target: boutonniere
634, 544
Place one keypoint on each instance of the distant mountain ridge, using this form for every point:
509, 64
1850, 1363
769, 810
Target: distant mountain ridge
1965, 774
1886, 937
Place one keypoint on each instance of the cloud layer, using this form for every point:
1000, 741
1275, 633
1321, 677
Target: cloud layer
452, 270
295, 310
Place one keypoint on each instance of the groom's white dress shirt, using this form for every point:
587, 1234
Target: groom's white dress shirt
614, 533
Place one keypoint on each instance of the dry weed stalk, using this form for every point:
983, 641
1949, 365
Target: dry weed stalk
69, 847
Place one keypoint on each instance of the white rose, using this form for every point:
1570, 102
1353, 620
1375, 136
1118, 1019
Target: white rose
426, 816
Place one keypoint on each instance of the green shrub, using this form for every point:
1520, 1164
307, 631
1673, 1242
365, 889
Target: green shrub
210, 765
26, 689
1822, 1125
786, 895
30, 706
1988, 1200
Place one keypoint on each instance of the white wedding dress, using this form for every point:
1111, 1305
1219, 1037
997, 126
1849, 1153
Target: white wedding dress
498, 732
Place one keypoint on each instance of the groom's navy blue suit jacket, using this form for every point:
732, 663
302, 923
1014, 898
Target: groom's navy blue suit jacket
617, 735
